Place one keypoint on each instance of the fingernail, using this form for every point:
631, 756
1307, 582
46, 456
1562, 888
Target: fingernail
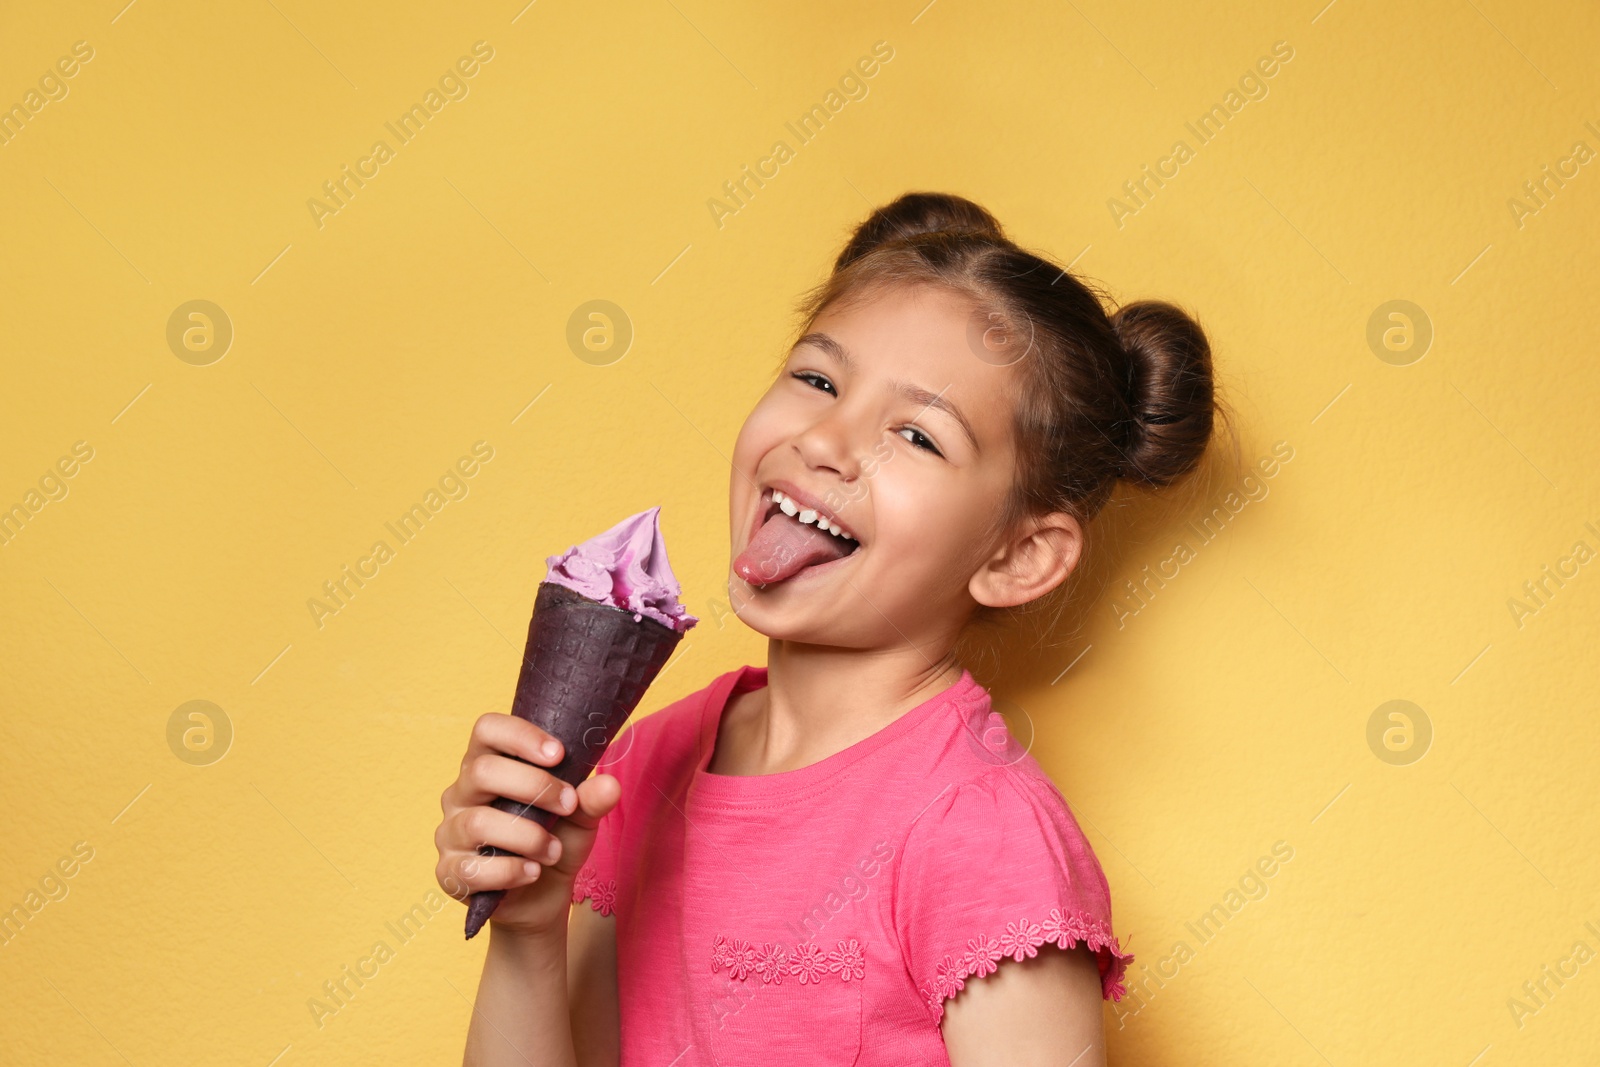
569, 797
550, 749
530, 869
552, 851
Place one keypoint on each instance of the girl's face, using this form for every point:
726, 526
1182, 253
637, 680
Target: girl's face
886, 420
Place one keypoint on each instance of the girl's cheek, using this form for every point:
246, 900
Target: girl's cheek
762, 422
747, 446
882, 452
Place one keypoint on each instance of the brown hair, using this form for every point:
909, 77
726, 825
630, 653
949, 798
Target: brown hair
1104, 398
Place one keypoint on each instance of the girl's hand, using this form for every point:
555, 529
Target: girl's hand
538, 888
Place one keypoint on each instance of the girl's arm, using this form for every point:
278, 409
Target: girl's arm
543, 1002
1042, 1012
521, 1013
592, 985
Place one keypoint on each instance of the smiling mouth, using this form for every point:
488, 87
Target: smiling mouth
789, 540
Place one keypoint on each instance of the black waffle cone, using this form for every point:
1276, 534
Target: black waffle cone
585, 668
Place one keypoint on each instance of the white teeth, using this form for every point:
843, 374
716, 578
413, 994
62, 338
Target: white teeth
808, 515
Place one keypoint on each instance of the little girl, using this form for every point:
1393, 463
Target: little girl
843, 857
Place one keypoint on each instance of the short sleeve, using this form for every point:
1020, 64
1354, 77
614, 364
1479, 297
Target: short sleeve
597, 878
997, 867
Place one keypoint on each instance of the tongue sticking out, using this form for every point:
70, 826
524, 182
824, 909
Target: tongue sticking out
783, 547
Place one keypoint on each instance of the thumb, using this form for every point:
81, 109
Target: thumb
596, 797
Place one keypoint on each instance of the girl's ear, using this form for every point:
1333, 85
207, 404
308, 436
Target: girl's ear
1034, 561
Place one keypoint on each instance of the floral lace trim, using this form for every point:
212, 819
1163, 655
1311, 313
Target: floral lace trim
602, 893
1020, 941
807, 961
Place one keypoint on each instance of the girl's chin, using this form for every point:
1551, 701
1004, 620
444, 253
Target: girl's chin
782, 611
790, 623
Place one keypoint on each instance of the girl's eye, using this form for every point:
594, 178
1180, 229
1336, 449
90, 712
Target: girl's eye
918, 439
813, 377
918, 435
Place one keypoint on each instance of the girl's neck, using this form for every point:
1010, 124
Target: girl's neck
820, 700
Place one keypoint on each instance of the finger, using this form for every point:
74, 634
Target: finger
483, 825
596, 797
491, 775
464, 873
501, 732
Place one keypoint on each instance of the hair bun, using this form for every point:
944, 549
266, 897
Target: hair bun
1170, 391
915, 214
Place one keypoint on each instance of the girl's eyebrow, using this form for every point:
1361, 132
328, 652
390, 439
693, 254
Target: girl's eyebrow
915, 394
830, 346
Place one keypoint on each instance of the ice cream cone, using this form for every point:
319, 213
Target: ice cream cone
585, 668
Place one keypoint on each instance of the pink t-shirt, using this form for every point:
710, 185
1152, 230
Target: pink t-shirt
823, 915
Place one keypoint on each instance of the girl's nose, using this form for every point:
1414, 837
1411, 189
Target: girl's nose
829, 444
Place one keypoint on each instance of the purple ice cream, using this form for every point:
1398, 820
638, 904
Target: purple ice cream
627, 568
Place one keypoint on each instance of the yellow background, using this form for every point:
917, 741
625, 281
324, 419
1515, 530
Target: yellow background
370, 353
